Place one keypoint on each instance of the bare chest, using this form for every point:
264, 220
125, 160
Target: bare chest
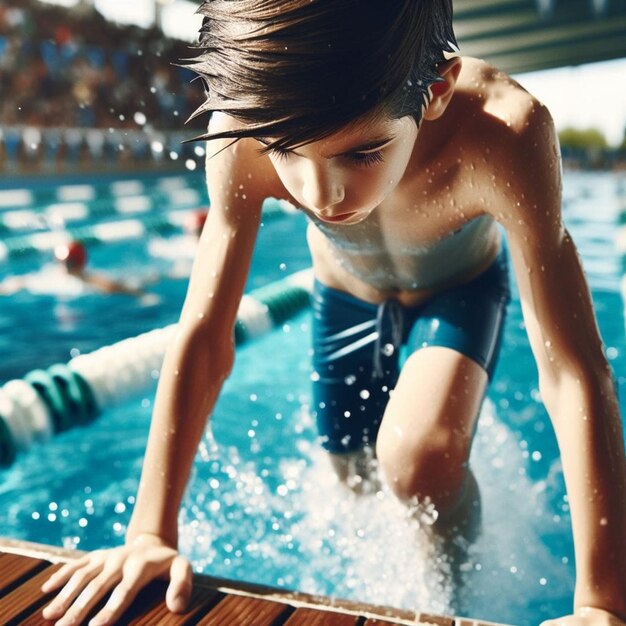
429, 234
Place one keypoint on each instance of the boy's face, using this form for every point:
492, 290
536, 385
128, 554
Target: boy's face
344, 177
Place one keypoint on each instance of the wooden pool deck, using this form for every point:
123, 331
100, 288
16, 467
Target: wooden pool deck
215, 602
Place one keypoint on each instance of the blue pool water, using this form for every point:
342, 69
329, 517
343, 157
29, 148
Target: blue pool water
262, 504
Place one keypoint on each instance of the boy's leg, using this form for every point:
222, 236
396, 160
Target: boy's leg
425, 438
424, 441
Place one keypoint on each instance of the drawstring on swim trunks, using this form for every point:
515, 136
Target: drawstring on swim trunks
396, 317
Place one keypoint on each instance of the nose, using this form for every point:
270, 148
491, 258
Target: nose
321, 190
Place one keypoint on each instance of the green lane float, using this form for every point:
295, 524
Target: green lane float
63, 396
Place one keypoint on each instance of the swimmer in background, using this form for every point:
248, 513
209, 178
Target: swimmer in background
195, 221
409, 160
180, 249
69, 276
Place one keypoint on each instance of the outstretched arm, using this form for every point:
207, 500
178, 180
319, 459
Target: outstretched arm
575, 380
194, 368
12, 285
105, 284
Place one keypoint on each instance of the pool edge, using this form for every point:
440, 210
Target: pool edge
55, 554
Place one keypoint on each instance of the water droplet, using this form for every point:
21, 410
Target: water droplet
350, 380
388, 349
365, 394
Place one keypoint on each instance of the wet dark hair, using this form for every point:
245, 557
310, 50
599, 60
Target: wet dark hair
297, 71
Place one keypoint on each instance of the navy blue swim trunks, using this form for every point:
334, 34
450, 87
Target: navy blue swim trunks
358, 348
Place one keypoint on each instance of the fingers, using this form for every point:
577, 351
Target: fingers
61, 576
88, 580
179, 589
137, 572
89, 597
118, 602
77, 581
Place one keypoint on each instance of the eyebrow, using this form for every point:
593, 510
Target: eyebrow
364, 147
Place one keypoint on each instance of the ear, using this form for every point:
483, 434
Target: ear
441, 93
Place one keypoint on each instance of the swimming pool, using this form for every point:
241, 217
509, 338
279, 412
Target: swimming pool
262, 505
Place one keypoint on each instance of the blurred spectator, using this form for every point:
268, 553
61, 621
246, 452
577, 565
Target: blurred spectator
64, 67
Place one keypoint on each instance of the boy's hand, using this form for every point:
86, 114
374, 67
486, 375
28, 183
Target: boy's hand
124, 571
587, 616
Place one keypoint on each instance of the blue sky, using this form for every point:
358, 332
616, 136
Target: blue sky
581, 96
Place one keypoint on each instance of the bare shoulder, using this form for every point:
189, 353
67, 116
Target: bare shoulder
501, 98
503, 113
513, 136
236, 171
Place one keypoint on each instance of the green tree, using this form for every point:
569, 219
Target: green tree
583, 139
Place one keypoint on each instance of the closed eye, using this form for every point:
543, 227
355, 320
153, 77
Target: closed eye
280, 153
366, 158
359, 158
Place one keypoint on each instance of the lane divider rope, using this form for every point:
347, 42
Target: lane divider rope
63, 396
24, 198
34, 218
20, 246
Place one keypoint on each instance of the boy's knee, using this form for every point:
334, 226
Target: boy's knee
435, 469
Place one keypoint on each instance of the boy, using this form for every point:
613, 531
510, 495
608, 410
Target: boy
404, 156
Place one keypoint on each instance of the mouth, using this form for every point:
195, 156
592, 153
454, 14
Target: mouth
338, 218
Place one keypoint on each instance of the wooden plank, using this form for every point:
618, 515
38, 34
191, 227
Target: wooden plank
202, 600
298, 599
23, 604
13, 568
246, 610
435, 620
55, 554
422, 620
28, 597
313, 617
